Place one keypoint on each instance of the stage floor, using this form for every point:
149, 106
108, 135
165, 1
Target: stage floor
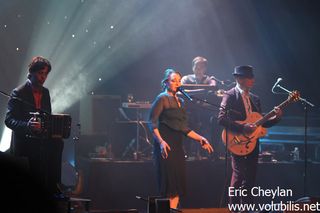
115, 184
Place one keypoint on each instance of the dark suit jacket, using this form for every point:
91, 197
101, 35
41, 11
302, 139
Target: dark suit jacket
44, 155
233, 102
18, 114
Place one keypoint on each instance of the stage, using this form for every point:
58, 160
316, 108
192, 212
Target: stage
115, 184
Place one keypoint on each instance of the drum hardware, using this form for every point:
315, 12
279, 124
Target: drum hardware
220, 92
138, 106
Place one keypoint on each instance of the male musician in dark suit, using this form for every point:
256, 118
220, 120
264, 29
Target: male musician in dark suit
239, 102
43, 154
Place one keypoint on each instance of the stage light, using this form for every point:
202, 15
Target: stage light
75, 53
5, 139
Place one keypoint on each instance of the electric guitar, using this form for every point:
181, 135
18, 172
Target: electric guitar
243, 144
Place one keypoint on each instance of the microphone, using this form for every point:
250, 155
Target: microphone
142, 198
220, 81
185, 94
224, 83
276, 84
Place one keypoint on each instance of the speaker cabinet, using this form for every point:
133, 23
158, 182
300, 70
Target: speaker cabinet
98, 114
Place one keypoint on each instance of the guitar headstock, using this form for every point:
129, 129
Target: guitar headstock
294, 96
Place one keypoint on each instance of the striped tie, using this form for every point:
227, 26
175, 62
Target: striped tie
248, 104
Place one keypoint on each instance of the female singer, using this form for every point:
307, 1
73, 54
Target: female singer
168, 123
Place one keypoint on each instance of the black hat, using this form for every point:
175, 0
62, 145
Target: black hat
244, 71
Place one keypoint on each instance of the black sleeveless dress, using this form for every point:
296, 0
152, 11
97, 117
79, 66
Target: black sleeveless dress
171, 120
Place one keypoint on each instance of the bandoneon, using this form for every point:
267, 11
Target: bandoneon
59, 125
52, 126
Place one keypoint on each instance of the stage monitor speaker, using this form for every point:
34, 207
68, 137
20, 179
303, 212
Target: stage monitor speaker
151, 208
98, 114
206, 210
163, 205
116, 211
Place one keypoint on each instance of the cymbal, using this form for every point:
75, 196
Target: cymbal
194, 90
197, 85
218, 93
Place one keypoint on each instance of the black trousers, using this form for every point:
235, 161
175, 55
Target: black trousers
44, 161
244, 171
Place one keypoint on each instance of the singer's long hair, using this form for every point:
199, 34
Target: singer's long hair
167, 74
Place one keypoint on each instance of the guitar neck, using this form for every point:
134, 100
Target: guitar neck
271, 113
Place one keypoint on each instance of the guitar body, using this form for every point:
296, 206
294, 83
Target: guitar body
243, 144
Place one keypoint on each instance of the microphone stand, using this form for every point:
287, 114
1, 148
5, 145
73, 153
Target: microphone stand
226, 83
5, 94
24, 102
306, 104
226, 145
212, 104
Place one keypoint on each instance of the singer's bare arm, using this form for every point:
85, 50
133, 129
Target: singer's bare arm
158, 106
202, 140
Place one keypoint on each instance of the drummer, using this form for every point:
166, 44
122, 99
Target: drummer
199, 68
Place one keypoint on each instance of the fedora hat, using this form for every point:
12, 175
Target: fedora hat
244, 71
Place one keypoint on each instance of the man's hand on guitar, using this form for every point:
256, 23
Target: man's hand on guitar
249, 128
277, 111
